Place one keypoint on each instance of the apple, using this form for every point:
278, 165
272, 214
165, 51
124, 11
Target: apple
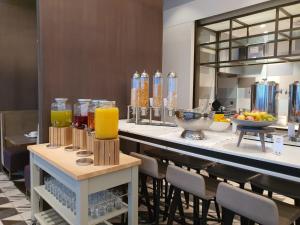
250, 118
241, 117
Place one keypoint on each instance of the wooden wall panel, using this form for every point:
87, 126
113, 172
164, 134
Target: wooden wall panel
18, 50
89, 49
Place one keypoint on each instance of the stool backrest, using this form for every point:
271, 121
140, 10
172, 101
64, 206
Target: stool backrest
185, 180
149, 165
250, 205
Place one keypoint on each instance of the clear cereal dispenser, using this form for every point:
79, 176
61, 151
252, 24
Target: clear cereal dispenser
134, 97
157, 94
135, 89
143, 97
172, 93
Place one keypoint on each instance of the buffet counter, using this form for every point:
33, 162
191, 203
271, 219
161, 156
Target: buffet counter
82, 181
219, 147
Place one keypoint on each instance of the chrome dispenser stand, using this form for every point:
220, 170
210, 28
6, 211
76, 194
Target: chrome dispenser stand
131, 114
157, 113
297, 136
168, 113
142, 114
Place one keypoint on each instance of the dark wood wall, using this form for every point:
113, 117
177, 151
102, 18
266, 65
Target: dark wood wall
18, 50
90, 49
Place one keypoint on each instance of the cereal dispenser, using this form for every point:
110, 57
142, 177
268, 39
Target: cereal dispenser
171, 94
157, 103
142, 109
134, 97
143, 97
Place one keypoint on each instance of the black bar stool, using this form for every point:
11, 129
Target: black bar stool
151, 168
195, 184
255, 207
278, 185
231, 173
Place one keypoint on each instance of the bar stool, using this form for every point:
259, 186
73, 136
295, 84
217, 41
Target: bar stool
255, 207
278, 185
195, 184
151, 168
231, 173
179, 160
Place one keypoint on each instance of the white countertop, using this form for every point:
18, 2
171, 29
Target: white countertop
225, 142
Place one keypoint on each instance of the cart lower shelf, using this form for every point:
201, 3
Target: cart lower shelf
66, 213
51, 217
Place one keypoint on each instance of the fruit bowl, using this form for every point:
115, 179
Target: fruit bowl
254, 119
219, 126
251, 123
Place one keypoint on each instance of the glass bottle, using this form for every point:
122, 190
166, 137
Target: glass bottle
144, 90
135, 89
107, 120
157, 90
172, 91
91, 113
81, 113
61, 113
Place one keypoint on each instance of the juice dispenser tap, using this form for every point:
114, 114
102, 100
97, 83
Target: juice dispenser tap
134, 97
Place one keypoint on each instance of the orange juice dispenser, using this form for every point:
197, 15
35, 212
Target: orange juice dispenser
106, 120
61, 113
91, 113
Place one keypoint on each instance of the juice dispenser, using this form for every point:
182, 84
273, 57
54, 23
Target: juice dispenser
157, 93
81, 113
61, 113
172, 93
91, 113
107, 120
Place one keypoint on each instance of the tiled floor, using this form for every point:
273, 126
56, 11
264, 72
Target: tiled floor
14, 207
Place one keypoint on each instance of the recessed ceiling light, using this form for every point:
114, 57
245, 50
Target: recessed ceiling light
262, 25
265, 32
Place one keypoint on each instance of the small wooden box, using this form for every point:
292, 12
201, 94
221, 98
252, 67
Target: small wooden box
79, 138
60, 136
106, 152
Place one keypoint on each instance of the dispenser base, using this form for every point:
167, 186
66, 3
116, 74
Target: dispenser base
193, 135
295, 139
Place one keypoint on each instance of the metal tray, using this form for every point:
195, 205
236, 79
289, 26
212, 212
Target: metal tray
84, 161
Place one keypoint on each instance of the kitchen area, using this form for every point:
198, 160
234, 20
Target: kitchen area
173, 112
